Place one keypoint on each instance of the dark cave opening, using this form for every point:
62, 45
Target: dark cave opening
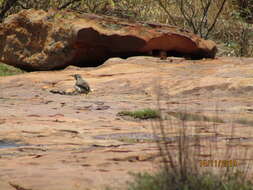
97, 61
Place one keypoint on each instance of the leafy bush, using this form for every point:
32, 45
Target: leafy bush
141, 114
170, 181
6, 70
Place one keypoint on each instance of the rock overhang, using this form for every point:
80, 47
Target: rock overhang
40, 40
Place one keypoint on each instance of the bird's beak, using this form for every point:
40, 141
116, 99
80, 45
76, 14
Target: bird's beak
72, 75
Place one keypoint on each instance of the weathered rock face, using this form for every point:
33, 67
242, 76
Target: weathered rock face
39, 40
75, 142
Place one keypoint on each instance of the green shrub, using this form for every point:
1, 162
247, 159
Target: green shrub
6, 70
141, 114
171, 181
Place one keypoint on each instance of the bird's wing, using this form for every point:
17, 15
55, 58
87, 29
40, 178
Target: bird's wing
83, 85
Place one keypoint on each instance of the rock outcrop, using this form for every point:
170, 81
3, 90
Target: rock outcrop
39, 40
75, 142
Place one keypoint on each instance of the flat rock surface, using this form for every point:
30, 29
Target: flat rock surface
79, 142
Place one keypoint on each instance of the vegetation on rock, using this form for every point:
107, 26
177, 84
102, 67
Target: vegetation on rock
6, 70
141, 114
163, 180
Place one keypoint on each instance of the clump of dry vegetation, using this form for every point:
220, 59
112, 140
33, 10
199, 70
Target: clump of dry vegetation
195, 164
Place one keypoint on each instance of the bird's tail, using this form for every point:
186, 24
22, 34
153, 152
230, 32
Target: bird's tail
62, 92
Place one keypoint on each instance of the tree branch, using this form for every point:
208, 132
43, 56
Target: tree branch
216, 18
167, 12
6, 7
67, 4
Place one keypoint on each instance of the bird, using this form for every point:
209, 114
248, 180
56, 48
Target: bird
81, 86
163, 55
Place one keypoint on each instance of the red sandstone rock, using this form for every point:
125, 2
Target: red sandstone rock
39, 40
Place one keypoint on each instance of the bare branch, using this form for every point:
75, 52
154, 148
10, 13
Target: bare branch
7, 5
216, 18
167, 12
22, 6
187, 17
203, 22
68, 3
